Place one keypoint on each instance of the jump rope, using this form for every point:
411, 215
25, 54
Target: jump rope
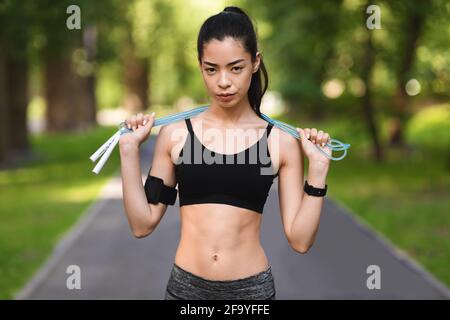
106, 149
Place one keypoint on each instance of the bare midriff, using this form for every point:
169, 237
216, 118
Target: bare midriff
220, 242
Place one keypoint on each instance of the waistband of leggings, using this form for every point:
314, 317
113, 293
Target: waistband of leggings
256, 279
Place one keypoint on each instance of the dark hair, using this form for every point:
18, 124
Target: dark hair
235, 23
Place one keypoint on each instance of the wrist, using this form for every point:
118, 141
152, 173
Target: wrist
317, 178
318, 169
315, 191
128, 146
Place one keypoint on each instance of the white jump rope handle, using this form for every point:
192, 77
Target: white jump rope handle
106, 149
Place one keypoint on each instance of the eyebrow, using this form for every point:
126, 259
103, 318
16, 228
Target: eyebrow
231, 63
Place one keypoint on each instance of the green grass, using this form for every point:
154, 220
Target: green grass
406, 198
40, 201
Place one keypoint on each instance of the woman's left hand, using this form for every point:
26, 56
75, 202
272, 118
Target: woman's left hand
310, 140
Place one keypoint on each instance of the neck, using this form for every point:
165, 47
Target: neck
232, 115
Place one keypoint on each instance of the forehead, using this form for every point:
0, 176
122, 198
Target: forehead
225, 51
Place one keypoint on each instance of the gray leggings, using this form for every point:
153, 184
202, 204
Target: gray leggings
184, 285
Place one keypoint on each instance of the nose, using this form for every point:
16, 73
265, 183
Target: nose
224, 81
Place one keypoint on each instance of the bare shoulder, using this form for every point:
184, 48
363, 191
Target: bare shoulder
171, 138
288, 146
168, 132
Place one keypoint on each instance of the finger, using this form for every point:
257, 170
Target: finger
139, 119
128, 122
302, 134
307, 133
313, 135
319, 137
146, 119
133, 122
326, 138
149, 118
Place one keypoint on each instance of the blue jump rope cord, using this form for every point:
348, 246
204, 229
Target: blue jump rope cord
334, 145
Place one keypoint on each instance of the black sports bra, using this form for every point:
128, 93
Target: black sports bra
242, 179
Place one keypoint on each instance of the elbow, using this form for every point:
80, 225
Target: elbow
141, 233
300, 248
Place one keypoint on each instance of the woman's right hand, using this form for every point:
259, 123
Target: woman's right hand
141, 125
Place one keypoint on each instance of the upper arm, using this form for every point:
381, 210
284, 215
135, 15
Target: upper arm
162, 167
290, 180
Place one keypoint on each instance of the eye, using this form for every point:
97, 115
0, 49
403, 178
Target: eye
238, 68
209, 69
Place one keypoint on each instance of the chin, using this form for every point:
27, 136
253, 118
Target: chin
227, 105
230, 104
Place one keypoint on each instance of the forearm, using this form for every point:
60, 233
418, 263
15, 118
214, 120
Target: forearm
134, 199
306, 222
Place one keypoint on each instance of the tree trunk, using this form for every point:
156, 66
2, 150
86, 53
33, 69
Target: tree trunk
70, 84
4, 112
412, 32
17, 88
61, 113
88, 106
366, 101
70, 94
136, 81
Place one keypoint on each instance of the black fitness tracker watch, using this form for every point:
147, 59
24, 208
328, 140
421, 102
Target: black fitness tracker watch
317, 192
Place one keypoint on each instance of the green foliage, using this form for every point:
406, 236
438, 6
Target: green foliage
300, 45
109, 90
430, 128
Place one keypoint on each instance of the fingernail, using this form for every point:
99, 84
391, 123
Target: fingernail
323, 144
153, 114
145, 121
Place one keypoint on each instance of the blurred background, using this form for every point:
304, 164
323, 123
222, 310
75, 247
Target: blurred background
65, 84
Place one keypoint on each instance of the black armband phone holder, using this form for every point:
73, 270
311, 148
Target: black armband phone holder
156, 191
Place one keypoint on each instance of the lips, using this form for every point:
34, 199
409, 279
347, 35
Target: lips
225, 94
226, 98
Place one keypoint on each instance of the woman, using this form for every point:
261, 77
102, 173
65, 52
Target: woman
221, 202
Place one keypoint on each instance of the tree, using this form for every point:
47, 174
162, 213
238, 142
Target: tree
412, 16
300, 45
147, 24
13, 80
367, 65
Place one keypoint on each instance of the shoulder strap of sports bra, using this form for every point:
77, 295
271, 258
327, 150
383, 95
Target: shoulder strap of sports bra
269, 128
189, 126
